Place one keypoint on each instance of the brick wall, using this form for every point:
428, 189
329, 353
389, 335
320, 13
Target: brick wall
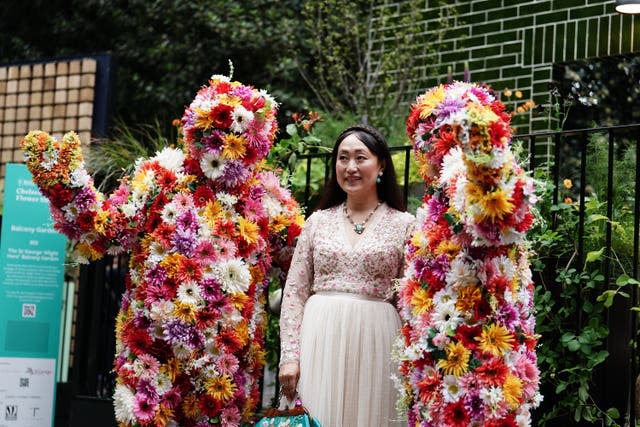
53, 96
514, 43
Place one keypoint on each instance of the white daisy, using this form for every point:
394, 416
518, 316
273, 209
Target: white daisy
80, 177
212, 165
123, 403
169, 213
162, 383
189, 294
241, 119
182, 350
233, 275
492, 396
170, 158
451, 390
226, 199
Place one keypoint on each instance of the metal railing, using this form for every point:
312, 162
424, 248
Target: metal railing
570, 156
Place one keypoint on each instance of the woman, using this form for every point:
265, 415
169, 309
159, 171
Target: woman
337, 323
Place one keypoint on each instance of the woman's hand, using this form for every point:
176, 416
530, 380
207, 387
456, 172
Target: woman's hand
288, 377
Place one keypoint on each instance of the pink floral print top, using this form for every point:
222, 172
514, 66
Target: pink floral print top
325, 260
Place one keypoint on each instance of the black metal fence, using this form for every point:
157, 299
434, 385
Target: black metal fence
102, 282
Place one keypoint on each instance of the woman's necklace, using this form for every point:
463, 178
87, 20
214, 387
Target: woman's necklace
358, 227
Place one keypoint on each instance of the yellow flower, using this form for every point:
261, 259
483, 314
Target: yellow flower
232, 101
512, 390
163, 415
87, 251
234, 147
507, 92
171, 263
468, 297
518, 94
421, 302
190, 406
457, 360
184, 312
430, 100
495, 205
257, 276
100, 221
239, 299
447, 247
248, 230
567, 183
279, 223
220, 387
172, 368
203, 121
474, 192
495, 339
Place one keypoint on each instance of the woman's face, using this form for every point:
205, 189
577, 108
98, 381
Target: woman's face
357, 168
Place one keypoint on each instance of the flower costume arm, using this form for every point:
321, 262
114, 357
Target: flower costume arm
296, 292
79, 210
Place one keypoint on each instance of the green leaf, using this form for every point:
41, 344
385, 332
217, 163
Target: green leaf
292, 129
573, 345
594, 255
607, 297
596, 217
624, 279
613, 413
577, 415
561, 387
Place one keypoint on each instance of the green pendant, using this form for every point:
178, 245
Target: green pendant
358, 228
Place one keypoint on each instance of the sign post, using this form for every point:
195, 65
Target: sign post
32, 257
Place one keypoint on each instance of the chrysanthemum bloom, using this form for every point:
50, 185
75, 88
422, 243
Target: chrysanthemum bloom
203, 225
467, 347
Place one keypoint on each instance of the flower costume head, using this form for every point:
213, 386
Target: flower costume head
205, 227
467, 350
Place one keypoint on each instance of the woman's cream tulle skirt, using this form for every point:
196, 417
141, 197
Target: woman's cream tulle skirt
345, 360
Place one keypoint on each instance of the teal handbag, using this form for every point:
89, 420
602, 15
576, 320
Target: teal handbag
298, 416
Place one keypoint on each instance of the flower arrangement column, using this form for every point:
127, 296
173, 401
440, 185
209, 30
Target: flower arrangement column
467, 351
204, 224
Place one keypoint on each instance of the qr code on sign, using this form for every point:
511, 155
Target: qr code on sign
28, 310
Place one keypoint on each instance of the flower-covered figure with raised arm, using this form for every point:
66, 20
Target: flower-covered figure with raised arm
204, 225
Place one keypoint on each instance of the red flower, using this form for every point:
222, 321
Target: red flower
467, 335
254, 104
229, 341
202, 195
428, 387
85, 220
138, 340
166, 179
508, 421
209, 406
220, 116
493, 372
455, 415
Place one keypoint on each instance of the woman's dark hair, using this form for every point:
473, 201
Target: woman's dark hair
388, 189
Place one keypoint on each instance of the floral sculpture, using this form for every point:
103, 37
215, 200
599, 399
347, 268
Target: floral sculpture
203, 225
467, 352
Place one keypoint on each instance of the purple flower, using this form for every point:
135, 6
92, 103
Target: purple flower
234, 174
214, 142
146, 389
448, 107
84, 198
156, 275
508, 316
436, 208
176, 331
184, 241
474, 405
187, 221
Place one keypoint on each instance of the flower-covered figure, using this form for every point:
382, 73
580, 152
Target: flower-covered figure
204, 226
467, 350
